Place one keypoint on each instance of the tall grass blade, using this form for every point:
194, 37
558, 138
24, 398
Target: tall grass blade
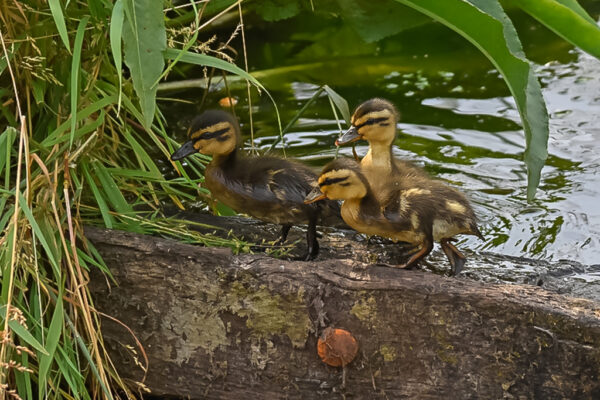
116, 33
52, 257
88, 357
52, 339
54, 136
22, 333
210, 61
75, 74
59, 20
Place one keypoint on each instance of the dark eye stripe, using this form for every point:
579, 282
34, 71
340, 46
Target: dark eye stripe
212, 135
372, 121
331, 181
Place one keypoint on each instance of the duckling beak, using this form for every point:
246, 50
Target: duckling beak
314, 195
350, 136
184, 151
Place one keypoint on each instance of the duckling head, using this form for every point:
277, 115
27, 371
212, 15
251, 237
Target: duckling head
374, 120
214, 132
341, 179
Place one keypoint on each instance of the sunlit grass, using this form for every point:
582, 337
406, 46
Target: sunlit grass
74, 153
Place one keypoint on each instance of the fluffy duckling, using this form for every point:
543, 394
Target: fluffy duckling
375, 121
267, 188
418, 211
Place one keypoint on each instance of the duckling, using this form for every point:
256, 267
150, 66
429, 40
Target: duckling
375, 121
419, 211
267, 188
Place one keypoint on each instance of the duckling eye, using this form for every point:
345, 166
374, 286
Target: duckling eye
373, 121
215, 134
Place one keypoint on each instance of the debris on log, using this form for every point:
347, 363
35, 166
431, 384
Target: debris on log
216, 325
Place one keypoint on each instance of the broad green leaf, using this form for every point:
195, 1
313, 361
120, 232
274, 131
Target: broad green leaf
275, 10
59, 20
75, 64
568, 20
374, 20
116, 33
52, 339
339, 102
144, 39
485, 24
22, 333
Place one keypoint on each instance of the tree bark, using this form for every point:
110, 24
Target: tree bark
216, 325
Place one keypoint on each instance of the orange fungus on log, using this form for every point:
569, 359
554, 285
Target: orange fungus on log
337, 347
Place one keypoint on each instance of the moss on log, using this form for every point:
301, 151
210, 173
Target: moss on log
217, 325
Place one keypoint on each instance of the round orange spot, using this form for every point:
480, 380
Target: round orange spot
228, 102
337, 347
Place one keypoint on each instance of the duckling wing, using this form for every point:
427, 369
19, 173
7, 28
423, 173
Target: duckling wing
397, 211
289, 181
293, 181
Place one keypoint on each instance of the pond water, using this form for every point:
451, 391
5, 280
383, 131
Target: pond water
458, 122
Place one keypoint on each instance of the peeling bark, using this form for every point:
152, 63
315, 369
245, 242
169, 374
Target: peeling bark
216, 325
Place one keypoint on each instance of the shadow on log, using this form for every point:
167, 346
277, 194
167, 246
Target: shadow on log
215, 325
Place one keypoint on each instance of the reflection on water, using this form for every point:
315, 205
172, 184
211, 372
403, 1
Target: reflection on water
462, 126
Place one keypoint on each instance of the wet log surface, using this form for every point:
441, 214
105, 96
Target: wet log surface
217, 325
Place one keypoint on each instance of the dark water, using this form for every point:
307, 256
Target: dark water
458, 122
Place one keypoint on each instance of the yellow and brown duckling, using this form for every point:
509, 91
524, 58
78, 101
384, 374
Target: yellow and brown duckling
267, 188
375, 121
419, 211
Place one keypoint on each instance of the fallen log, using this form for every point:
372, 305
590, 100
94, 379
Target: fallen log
217, 325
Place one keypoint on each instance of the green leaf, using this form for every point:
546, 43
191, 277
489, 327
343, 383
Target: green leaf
568, 20
22, 332
144, 39
339, 102
485, 24
52, 340
275, 10
375, 20
116, 33
59, 20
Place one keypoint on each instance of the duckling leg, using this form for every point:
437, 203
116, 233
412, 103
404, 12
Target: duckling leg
311, 240
285, 229
456, 258
425, 249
